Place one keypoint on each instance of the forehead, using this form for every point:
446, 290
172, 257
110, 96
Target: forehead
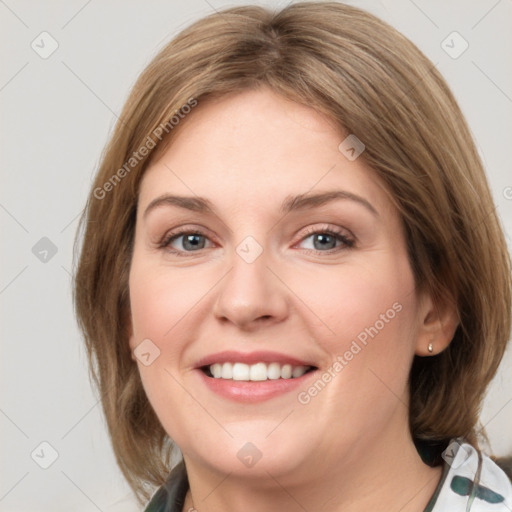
256, 145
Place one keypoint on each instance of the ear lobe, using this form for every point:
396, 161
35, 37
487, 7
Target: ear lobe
438, 322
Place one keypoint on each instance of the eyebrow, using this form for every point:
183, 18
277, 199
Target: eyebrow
291, 203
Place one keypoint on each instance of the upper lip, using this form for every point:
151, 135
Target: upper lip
260, 356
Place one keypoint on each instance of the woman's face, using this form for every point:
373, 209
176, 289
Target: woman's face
267, 274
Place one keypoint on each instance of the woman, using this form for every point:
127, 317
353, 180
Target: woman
292, 274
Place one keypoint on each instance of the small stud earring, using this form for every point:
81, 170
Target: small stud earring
430, 347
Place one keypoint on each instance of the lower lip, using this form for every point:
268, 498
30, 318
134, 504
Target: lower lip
253, 391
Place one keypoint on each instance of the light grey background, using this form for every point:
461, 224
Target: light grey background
57, 114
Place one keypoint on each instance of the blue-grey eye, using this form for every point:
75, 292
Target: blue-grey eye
192, 241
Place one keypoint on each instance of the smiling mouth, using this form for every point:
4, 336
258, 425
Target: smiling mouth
255, 372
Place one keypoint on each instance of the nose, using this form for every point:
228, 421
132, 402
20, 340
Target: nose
251, 294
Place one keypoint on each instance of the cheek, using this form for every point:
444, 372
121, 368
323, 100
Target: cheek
163, 301
160, 299
370, 312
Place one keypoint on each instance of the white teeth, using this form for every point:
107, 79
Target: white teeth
286, 371
274, 371
216, 370
257, 372
298, 371
227, 371
240, 371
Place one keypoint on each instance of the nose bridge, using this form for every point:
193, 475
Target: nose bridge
250, 290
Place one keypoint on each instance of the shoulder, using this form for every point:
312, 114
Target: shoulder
472, 481
170, 497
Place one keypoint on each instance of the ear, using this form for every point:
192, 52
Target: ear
439, 320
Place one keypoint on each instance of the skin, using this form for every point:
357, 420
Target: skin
349, 448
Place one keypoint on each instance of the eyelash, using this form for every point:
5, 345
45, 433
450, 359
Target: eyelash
348, 243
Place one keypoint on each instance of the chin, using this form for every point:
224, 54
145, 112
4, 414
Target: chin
251, 457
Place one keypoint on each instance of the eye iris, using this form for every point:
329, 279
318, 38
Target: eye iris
324, 237
192, 239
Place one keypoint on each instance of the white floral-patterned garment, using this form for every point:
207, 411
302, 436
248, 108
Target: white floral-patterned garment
471, 481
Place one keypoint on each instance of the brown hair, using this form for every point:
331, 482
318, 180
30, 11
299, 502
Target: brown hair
372, 82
